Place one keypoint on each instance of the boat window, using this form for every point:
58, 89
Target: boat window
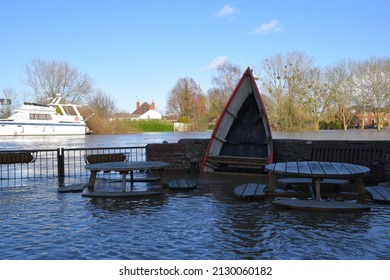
40, 117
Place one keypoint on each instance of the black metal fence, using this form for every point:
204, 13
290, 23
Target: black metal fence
59, 162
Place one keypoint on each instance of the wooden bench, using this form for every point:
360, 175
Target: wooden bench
99, 158
242, 164
17, 157
371, 155
250, 191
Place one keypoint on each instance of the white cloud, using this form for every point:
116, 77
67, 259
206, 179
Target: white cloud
215, 63
227, 11
272, 26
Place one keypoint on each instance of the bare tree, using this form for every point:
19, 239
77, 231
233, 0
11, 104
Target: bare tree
102, 104
98, 111
378, 81
283, 81
228, 75
316, 99
186, 99
216, 101
49, 78
373, 85
6, 110
340, 80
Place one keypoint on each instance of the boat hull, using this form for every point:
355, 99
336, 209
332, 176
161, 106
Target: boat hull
241, 140
40, 119
25, 129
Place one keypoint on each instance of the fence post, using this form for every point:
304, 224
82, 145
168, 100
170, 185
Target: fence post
61, 162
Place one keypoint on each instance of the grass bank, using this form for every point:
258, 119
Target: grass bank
104, 126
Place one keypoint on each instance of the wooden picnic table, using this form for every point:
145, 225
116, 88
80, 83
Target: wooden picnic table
125, 168
317, 170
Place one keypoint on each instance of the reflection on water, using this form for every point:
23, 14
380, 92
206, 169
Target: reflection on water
207, 223
141, 139
95, 141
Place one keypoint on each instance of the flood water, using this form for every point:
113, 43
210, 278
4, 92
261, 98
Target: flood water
130, 140
207, 223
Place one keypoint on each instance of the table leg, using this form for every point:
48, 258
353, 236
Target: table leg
318, 189
131, 179
123, 181
272, 182
360, 186
163, 178
312, 189
91, 182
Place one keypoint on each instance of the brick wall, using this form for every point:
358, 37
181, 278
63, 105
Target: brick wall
188, 154
195, 150
173, 153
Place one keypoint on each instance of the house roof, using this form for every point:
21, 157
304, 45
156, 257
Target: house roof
141, 109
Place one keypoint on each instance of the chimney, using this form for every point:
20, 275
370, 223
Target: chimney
137, 104
152, 106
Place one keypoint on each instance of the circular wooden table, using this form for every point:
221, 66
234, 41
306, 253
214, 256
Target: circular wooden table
318, 170
125, 168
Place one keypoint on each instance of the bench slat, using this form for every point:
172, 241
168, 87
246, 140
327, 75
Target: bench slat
99, 158
366, 154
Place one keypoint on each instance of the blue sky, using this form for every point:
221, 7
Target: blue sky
139, 49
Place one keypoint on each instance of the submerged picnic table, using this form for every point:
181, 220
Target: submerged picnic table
125, 168
318, 170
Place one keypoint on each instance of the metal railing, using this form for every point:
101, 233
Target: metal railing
74, 162
59, 162
43, 164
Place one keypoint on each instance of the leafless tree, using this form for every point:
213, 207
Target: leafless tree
6, 110
316, 99
224, 83
283, 80
102, 104
373, 84
49, 78
340, 81
186, 99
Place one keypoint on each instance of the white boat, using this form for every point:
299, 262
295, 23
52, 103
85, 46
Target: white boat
39, 119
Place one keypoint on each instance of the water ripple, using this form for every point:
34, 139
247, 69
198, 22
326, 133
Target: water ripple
209, 223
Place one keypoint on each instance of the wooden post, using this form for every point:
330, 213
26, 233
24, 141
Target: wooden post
60, 163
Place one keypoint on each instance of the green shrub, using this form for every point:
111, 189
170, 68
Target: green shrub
152, 125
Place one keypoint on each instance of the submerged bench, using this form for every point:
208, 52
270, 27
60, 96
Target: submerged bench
235, 163
372, 155
250, 191
17, 157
